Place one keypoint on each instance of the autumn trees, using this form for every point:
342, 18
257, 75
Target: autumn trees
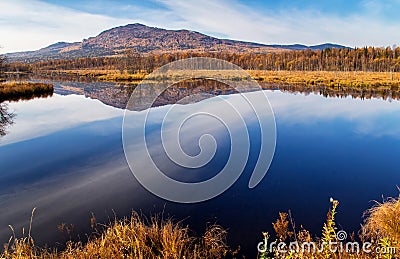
358, 59
2, 67
363, 59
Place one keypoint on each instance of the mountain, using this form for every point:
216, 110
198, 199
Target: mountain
313, 47
141, 38
49, 51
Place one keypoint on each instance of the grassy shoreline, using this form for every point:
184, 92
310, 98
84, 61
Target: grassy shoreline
359, 80
132, 237
136, 237
14, 91
364, 80
379, 236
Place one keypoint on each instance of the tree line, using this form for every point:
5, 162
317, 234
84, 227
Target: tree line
2, 67
369, 59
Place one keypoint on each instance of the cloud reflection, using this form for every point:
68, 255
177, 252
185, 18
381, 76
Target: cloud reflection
100, 180
40, 117
375, 117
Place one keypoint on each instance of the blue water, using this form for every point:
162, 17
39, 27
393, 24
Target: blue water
64, 156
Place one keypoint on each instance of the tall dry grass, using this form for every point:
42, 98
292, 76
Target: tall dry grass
135, 237
14, 91
132, 238
339, 80
383, 221
333, 79
381, 229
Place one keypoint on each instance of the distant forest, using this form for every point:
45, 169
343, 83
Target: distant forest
359, 59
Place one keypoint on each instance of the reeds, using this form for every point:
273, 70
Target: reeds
381, 231
383, 221
136, 237
14, 91
122, 77
333, 79
132, 237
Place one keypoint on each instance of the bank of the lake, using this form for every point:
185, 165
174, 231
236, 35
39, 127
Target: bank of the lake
136, 237
334, 80
14, 91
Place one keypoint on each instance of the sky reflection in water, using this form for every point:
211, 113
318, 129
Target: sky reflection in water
64, 156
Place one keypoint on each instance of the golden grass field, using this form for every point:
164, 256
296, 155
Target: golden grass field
13, 91
130, 238
331, 79
358, 80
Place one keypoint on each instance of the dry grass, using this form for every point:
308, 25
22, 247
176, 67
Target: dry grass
80, 72
174, 75
364, 80
137, 238
121, 77
379, 82
133, 238
14, 91
381, 229
332, 79
383, 221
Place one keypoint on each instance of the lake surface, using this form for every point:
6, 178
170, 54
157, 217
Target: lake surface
64, 156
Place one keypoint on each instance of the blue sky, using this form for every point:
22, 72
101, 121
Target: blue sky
32, 24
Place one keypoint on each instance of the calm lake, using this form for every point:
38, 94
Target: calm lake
64, 156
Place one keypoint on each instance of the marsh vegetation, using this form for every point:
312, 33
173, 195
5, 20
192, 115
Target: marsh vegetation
133, 237
14, 91
380, 233
137, 237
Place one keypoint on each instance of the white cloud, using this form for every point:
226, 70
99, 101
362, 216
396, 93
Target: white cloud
285, 26
30, 25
